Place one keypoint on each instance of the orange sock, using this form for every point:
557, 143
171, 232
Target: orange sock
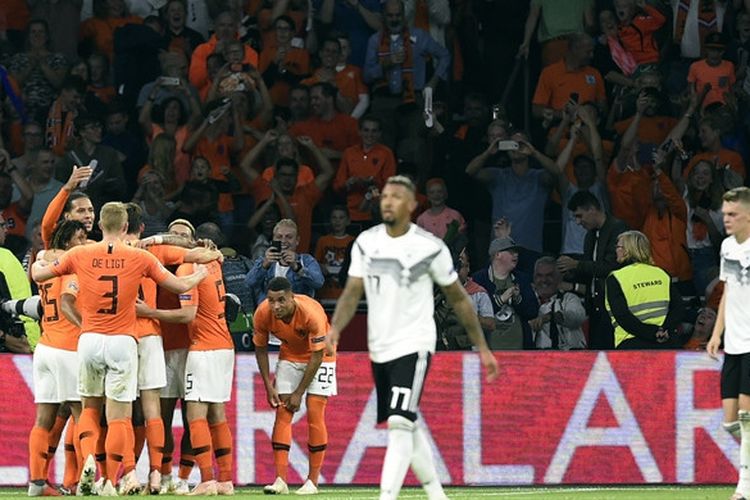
128, 458
38, 445
221, 439
101, 452
55, 433
187, 459
317, 434
155, 438
71, 456
89, 432
139, 431
281, 440
200, 440
115, 444
79, 459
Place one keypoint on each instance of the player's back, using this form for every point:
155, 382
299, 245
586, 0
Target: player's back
209, 330
304, 333
167, 255
57, 331
109, 275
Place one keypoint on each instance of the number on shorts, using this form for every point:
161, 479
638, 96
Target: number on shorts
325, 374
188, 382
49, 302
110, 295
405, 394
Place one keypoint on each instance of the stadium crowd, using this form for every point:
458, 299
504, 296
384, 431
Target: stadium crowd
273, 126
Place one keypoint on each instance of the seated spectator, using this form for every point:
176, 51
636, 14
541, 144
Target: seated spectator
644, 304
570, 78
330, 252
301, 269
364, 167
713, 71
62, 114
107, 182
38, 70
282, 64
561, 314
638, 25
519, 192
702, 329
440, 219
512, 297
478, 295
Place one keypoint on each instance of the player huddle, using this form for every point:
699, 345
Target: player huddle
132, 325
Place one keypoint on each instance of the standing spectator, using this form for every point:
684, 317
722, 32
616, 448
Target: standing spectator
225, 29
363, 168
330, 252
512, 297
396, 69
561, 314
440, 219
638, 24
282, 64
107, 181
38, 70
358, 18
138, 49
129, 146
569, 79
179, 37
353, 97
62, 114
40, 178
599, 259
172, 83
558, 20
330, 130
714, 71
97, 33
519, 192
644, 305
301, 269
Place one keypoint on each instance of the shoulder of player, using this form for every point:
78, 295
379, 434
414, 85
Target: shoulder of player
308, 304
425, 238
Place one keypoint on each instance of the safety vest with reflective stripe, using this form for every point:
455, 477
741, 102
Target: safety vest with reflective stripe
646, 291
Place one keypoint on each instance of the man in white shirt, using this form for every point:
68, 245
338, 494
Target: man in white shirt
733, 321
395, 264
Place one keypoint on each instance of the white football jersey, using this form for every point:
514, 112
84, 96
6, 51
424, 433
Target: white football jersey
398, 275
735, 273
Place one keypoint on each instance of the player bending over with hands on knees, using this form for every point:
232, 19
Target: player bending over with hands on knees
733, 320
395, 264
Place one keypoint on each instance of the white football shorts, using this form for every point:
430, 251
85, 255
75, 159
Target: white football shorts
175, 367
55, 375
208, 375
289, 374
152, 373
108, 366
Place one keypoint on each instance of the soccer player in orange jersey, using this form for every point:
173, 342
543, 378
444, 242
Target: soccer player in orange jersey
209, 369
55, 359
301, 324
152, 374
109, 275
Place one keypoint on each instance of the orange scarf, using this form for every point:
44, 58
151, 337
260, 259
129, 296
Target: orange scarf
407, 67
59, 131
707, 21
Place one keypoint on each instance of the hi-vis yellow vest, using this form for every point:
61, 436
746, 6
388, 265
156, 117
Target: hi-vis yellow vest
646, 290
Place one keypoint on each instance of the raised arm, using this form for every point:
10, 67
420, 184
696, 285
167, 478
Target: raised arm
474, 168
57, 205
183, 283
185, 314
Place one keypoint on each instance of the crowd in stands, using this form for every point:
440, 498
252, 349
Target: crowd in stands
536, 130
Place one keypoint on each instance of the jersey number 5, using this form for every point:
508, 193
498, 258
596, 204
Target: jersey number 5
110, 295
49, 302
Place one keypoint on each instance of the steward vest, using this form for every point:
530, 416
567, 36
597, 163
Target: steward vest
646, 291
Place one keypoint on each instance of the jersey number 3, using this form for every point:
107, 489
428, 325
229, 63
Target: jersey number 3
110, 295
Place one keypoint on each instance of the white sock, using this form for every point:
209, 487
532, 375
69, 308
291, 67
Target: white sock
732, 428
743, 485
424, 467
397, 456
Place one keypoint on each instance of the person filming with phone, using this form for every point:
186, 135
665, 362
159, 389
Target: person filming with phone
282, 259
